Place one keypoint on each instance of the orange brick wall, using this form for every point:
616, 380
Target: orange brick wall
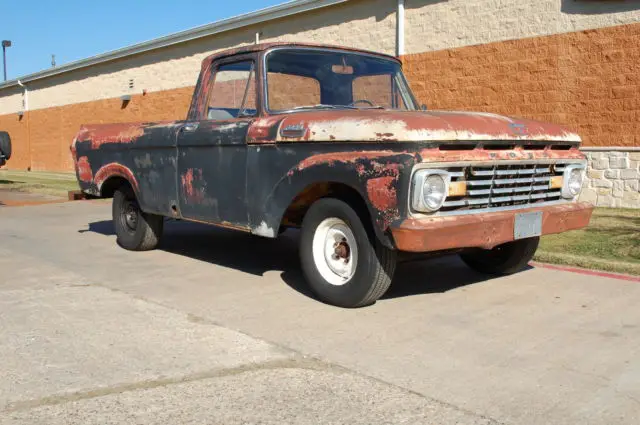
51, 130
588, 80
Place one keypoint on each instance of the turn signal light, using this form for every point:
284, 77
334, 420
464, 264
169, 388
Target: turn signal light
457, 188
555, 182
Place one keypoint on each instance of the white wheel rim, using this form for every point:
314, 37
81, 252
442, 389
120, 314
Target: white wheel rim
335, 251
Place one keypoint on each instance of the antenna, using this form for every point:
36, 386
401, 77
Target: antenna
53, 61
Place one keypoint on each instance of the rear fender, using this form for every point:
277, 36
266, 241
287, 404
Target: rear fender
115, 169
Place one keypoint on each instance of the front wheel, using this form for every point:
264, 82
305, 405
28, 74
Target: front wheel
508, 258
135, 229
343, 263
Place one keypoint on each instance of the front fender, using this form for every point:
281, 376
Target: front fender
381, 178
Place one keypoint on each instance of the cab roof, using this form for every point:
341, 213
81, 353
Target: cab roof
265, 46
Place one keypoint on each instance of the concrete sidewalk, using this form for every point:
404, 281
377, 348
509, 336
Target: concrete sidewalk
218, 327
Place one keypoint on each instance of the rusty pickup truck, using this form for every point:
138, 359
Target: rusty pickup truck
5, 147
332, 141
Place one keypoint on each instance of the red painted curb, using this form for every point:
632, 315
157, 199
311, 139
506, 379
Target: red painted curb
618, 276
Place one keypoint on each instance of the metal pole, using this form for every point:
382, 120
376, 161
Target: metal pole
400, 29
4, 61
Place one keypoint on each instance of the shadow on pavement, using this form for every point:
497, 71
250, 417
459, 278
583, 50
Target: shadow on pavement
257, 255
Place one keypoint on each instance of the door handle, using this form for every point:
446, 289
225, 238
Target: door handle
189, 127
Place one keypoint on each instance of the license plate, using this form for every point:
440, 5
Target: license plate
527, 225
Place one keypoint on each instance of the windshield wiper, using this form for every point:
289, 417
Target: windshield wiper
323, 106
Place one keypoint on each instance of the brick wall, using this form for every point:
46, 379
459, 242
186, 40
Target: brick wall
588, 80
41, 139
613, 178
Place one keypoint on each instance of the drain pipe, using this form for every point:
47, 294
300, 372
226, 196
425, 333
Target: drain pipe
26, 109
26, 95
400, 29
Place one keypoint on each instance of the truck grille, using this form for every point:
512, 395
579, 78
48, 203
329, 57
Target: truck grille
495, 186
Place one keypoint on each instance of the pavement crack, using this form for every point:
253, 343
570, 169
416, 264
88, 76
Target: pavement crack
327, 364
296, 362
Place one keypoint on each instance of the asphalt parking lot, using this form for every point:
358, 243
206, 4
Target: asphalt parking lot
217, 327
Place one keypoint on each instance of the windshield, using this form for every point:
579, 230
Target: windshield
325, 79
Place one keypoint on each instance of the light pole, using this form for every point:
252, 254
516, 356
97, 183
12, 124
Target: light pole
5, 44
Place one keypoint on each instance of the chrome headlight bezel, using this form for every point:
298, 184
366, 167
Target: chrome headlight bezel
418, 202
566, 191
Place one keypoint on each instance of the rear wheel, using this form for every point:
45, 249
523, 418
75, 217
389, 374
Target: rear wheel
5, 145
135, 229
344, 264
507, 258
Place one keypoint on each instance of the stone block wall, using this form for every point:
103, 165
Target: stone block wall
613, 178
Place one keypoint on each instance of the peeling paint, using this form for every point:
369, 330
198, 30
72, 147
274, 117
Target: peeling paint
264, 230
381, 193
143, 161
194, 194
408, 126
114, 169
344, 157
100, 134
485, 230
84, 169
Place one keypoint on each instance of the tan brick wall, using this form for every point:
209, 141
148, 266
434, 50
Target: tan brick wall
437, 25
366, 24
588, 80
11, 100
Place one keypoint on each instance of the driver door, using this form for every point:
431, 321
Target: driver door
212, 151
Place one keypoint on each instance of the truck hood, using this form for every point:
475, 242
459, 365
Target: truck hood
382, 125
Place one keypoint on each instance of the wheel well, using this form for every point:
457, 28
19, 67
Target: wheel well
298, 207
110, 185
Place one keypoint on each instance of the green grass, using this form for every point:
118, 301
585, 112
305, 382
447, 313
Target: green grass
611, 242
58, 184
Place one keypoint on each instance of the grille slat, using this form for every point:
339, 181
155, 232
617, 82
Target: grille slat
503, 185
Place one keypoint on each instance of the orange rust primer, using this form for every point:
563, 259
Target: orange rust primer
382, 193
110, 133
115, 169
193, 193
480, 154
262, 128
343, 157
485, 230
403, 126
84, 169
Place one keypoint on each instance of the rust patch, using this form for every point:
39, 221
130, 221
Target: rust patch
110, 133
262, 128
483, 230
193, 193
344, 157
114, 169
381, 193
479, 154
84, 170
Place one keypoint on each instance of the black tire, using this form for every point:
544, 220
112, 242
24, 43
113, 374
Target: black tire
504, 259
374, 266
135, 229
5, 144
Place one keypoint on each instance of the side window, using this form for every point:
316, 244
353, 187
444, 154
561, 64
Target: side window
381, 90
287, 91
233, 92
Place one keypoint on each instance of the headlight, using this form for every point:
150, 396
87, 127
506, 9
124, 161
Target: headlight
430, 188
573, 176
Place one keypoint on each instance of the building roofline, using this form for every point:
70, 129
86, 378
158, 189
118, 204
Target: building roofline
289, 8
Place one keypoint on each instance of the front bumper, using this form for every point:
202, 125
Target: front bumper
483, 230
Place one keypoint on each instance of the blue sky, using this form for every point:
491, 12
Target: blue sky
74, 29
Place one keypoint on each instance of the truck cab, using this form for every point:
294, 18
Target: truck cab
332, 141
